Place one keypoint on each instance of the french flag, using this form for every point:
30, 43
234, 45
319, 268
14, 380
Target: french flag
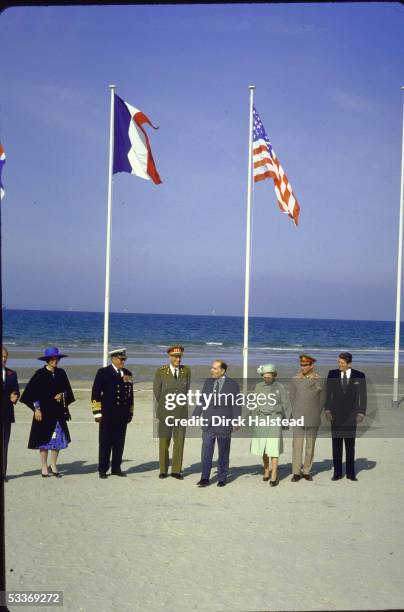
132, 152
2, 162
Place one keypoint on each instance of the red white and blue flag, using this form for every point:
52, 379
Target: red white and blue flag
132, 152
2, 162
267, 165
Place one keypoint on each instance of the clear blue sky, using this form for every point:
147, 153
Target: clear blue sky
328, 83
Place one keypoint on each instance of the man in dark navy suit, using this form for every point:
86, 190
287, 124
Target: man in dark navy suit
11, 393
112, 404
345, 407
223, 393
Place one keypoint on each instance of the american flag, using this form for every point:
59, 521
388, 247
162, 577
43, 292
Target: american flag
2, 162
267, 165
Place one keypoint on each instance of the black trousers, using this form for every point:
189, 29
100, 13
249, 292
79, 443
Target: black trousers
339, 437
6, 440
111, 442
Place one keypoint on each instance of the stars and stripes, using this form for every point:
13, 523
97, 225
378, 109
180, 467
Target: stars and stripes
267, 165
2, 162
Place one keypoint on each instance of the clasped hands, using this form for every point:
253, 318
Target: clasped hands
359, 417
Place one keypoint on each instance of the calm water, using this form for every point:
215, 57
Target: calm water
202, 335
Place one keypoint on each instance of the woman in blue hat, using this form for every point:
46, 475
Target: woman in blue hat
49, 394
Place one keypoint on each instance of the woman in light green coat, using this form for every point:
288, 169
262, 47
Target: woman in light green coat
267, 441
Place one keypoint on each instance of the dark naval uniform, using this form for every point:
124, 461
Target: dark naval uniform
164, 384
112, 400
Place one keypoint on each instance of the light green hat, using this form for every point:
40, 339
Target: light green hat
267, 368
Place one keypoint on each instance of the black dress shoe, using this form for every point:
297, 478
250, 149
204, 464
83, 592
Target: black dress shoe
295, 478
265, 478
336, 478
352, 478
307, 476
177, 476
102, 475
203, 482
162, 475
221, 483
274, 483
56, 474
120, 473
45, 475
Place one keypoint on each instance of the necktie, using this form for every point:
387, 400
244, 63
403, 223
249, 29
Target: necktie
216, 389
344, 382
175, 374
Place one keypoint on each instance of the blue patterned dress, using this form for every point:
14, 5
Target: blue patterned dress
57, 441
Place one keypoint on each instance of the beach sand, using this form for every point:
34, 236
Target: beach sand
142, 543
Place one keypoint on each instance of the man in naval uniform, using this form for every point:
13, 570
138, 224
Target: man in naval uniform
112, 404
173, 378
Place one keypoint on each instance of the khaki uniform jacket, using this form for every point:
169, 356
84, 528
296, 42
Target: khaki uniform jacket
165, 384
307, 398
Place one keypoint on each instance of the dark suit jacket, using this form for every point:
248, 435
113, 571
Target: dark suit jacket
344, 407
221, 406
10, 385
112, 395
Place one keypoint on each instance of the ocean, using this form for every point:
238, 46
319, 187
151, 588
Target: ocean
148, 335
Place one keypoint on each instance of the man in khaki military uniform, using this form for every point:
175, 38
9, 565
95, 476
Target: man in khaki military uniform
172, 378
307, 399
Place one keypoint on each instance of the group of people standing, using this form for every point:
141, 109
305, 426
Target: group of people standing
48, 394
342, 396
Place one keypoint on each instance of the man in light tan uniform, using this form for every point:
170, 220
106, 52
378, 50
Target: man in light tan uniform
307, 399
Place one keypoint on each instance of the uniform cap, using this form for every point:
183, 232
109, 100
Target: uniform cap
176, 349
121, 352
307, 359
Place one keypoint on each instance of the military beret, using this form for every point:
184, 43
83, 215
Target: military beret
121, 352
176, 349
306, 359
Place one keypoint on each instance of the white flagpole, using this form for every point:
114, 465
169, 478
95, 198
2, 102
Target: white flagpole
248, 245
109, 218
399, 274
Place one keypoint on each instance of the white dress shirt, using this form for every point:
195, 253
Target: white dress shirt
117, 370
347, 372
174, 370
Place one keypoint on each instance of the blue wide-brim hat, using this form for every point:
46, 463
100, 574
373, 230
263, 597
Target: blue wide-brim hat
51, 353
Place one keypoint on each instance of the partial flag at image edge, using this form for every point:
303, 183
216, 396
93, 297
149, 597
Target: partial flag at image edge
132, 150
2, 162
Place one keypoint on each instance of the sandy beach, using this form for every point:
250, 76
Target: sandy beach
141, 543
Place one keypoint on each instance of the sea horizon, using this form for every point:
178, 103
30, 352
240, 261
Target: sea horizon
185, 314
147, 336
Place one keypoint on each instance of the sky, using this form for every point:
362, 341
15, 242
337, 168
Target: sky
327, 80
